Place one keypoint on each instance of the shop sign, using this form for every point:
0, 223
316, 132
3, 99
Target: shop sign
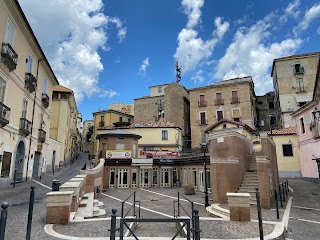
159, 153
118, 154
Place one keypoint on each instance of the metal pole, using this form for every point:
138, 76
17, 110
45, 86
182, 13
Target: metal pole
14, 178
276, 199
31, 202
3, 219
134, 204
178, 204
122, 206
205, 178
121, 229
188, 230
283, 193
113, 224
259, 214
196, 225
280, 195
192, 220
287, 185
33, 110
53, 169
287, 189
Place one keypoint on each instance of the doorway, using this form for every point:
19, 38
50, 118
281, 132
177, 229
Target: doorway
19, 161
123, 178
144, 178
165, 176
6, 164
36, 165
201, 182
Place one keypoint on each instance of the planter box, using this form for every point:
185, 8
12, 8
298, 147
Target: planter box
189, 191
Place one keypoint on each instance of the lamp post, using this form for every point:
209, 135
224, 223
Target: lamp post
204, 149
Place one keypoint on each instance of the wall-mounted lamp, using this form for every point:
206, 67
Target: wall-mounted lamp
43, 124
316, 114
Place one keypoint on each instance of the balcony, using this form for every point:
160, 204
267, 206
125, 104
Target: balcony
4, 114
41, 136
30, 82
45, 100
101, 124
202, 122
9, 56
301, 89
25, 127
218, 101
202, 103
235, 100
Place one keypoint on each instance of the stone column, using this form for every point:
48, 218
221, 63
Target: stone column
58, 207
239, 206
263, 167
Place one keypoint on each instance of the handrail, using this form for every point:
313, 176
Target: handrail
132, 206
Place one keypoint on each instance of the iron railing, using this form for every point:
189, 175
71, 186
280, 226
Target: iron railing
101, 124
30, 82
42, 136
45, 100
218, 101
133, 206
202, 103
235, 100
25, 126
4, 114
9, 56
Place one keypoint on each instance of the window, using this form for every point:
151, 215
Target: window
120, 146
299, 85
203, 119
302, 128
164, 134
234, 96
219, 100
259, 102
3, 84
298, 68
44, 90
159, 89
120, 119
287, 150
202, 102
273, 120
24, 108
29, 64
262, 123
219, 115
236, 114
8, 37
271, 105
203, 137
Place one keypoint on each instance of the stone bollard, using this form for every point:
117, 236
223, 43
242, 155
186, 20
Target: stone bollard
239, 206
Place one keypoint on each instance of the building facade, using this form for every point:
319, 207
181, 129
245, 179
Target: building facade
230, 99
266, 112
169, 102
121, 107
293, 80
87, 130
26, 81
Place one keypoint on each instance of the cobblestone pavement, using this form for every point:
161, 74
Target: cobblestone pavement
156, 203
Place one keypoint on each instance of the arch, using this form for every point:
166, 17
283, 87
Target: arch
19, 159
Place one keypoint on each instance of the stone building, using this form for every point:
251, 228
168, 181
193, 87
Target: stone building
266, 112
230, 99
87, 130
168, 101
293, 80
121, 107
26, 83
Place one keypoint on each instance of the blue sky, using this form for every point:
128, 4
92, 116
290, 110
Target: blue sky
111, 51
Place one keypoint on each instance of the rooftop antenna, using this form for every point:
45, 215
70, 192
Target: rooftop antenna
178, 72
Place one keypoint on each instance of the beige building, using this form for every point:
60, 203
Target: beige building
64, 123
87, 130
293, 80
287, 152
26, 83
121, 107
169, 102
103, 120
230, 99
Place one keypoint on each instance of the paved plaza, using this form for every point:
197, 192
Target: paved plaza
303, 219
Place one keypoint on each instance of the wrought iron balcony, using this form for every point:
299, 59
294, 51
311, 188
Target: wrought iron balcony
25, 127
4, 114
9, 56
235, 100
30, 82
218, 101
202, 103
42, 136
45, 100
101, 124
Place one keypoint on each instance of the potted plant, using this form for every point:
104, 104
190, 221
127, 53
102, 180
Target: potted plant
189, 189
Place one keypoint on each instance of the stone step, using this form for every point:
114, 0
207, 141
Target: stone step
96, 210
246, 190
250, 185
100, 214
98, 204
215, 211
250, 173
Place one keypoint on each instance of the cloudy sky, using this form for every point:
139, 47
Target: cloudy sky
111, 51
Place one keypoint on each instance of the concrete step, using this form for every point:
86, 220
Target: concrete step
250, 180
250, 173
250, 185
216, 211
98, 204
251, 191
100, 214
96, 210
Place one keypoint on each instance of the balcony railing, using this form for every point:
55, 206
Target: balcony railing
203, 122
4, 114
45, 100
30, 82
202, 103
101, 124
9, 56
25, 127
42, 136
218, 101
301, 89
235, 100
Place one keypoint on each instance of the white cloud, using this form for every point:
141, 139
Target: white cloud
108, 93
70, 35
192, 50
198, 78
310, 15
292, 10
250, 55
143, 67
192, 9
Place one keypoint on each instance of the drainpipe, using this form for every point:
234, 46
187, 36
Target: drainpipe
34, 105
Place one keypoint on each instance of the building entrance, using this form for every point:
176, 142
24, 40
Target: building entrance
144, 177
123, 178
165, 177
18, 163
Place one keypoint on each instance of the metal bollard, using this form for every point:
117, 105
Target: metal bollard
113, 225
287, 185
178, 204
287, 188
280, 195
31, 202
3, 219
276, 200
14, 178
196, 225
259, 214
283, 193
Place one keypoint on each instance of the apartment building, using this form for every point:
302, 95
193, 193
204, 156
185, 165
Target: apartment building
102, 120
121, 107
64, 121
169, 102
87, 130
27, 82
293, 80
230, 99
266, 112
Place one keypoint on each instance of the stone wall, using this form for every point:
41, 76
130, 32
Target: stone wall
94, 177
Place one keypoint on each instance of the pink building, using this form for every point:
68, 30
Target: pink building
308, 125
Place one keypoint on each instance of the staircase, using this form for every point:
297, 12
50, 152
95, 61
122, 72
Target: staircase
250, 181
89, 208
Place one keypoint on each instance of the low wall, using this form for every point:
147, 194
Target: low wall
94, 176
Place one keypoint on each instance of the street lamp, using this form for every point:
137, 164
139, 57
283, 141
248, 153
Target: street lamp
203, 150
